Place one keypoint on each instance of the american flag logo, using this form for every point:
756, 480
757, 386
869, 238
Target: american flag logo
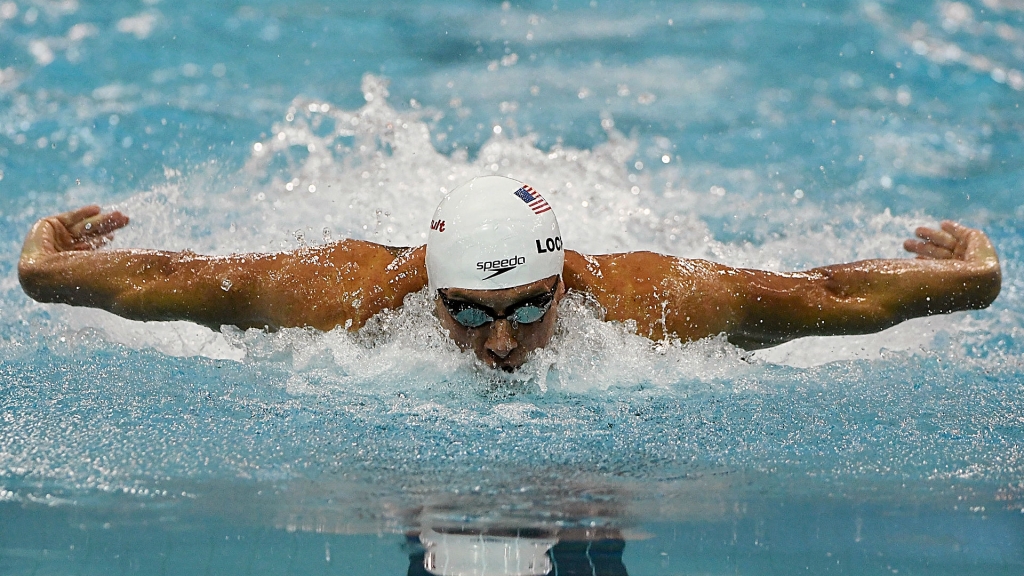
533, 199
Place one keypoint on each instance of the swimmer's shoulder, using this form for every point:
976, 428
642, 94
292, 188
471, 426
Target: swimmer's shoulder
663, 295
355, 279
392, 268
373, 261
623, 272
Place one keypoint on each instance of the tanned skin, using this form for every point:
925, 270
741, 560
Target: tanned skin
346, 283
340, 284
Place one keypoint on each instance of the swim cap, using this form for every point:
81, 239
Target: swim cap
492, 233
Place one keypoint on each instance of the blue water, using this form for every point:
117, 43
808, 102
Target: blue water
778, 135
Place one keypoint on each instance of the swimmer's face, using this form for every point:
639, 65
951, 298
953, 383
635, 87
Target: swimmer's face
503, 343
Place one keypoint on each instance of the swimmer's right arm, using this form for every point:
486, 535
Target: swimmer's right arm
341, 284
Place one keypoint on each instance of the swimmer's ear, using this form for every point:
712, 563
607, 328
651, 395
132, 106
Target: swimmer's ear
560, 290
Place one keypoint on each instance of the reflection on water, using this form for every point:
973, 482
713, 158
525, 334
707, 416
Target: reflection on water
463, 551
234, 532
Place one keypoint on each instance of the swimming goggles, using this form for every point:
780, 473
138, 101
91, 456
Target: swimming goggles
474, 316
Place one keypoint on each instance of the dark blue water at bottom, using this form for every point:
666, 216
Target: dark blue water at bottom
757, 535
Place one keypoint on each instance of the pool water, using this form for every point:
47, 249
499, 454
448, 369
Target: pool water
776, 135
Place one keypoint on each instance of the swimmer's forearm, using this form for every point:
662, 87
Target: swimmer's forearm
142, 285
860, 297
905, 289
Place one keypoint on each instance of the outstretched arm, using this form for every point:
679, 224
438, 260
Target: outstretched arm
344, 283
956, 269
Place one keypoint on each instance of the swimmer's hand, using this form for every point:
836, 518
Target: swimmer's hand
51, 239
953, 241
84, 229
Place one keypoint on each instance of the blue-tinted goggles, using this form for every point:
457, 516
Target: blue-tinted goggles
474, 316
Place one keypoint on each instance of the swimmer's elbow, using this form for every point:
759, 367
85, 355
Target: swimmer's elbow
814, 304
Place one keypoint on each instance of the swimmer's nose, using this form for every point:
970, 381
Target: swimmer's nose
500, 342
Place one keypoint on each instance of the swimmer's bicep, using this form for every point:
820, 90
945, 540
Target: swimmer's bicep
300, 288
703, 299
776, 308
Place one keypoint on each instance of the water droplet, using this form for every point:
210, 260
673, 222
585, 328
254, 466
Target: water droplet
225, 285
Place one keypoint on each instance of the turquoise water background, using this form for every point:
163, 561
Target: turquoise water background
777, 135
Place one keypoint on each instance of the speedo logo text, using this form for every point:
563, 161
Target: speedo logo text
499, 267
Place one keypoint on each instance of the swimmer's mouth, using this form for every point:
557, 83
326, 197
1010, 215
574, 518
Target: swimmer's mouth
504, 364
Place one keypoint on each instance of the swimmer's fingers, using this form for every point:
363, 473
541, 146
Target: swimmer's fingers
972, 244
70, 218
81, 229
953, 242
933, 244
940, 238
96, 228
927, 250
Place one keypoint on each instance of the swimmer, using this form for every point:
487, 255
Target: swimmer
495, 264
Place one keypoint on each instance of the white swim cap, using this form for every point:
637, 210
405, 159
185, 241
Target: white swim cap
492, 233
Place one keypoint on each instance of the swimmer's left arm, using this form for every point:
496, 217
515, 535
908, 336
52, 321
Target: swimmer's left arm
956, 269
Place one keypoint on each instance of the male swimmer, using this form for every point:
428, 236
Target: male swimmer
496, 267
